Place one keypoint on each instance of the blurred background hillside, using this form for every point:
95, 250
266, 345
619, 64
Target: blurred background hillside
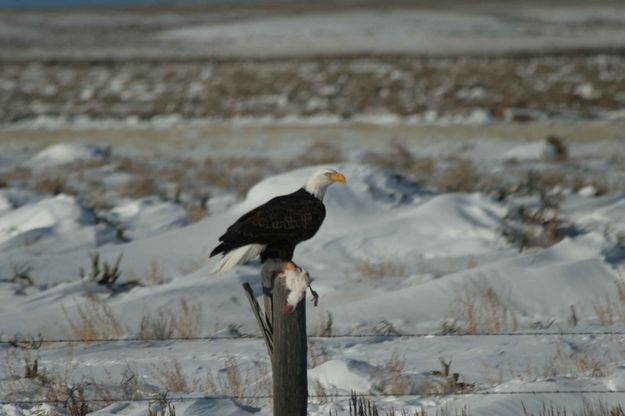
426, 61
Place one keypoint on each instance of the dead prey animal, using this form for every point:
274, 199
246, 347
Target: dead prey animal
297, 281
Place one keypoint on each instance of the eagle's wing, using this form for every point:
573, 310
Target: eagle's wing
281, 218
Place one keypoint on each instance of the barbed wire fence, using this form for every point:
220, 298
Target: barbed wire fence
34, 342
29, 342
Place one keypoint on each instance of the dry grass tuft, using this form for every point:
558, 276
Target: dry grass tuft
140, 187
195, 214
234, 174
231, 381
171, 377
54, 186
612, 311
185, 322
479, 308
597, 408
360, 406
317, 353
96, 320
395, 381
324, 329
369, 269
154, 276
462, 176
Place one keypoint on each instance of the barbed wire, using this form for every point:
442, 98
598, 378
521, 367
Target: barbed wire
312, 396
18, 339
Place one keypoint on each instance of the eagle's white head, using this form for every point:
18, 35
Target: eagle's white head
319, 181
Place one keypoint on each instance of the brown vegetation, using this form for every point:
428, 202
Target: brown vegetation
370, 269
479, 308
185, 322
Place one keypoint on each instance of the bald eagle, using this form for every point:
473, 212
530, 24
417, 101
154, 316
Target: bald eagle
273, 229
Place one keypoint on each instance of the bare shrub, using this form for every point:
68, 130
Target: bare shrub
479, 308
75, 402
129, 384
106, 274
540, 226
609, 311
555, 150
161, 406
31, 370
185, 322
21, 273
370, 269
96, 320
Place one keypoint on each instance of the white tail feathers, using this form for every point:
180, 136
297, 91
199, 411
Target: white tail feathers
237, 256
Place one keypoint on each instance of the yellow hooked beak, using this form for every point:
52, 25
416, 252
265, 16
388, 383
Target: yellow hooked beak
336, 177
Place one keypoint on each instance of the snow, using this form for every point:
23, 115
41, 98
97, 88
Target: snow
347, 375
376, 216
447, 245
393, 255
442, 249
405, 31
51, 225
146, 217
63, 153
530, 151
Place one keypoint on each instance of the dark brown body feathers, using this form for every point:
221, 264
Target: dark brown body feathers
280, 224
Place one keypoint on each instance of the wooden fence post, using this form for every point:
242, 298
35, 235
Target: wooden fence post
289, 363
285, 337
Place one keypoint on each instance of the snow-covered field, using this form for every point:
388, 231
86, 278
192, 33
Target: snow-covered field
408, 247
474, 260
